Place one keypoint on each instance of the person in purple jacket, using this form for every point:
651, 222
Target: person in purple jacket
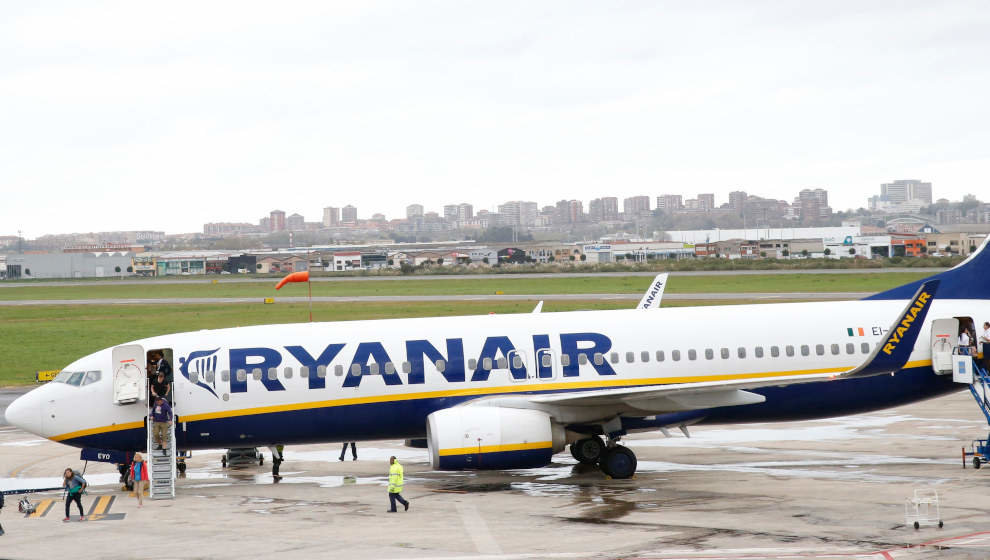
161, 420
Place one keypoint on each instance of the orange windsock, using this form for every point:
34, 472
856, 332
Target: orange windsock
302, 276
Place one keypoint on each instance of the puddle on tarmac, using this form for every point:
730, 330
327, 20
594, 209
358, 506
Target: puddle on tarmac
94, 479
24, 443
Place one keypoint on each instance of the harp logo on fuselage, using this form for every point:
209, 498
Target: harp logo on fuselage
371, 358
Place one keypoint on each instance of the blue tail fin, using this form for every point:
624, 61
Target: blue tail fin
969, 279
893, 353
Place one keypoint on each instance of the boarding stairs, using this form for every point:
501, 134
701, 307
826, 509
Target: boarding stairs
162, 466
980, 388
966, 370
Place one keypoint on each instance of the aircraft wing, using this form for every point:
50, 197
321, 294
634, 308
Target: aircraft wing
889, 356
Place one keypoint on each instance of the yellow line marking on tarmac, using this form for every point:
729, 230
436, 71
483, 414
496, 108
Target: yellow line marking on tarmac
101, 505
44, 506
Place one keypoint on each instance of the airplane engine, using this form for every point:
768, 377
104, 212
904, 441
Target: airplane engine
483, 437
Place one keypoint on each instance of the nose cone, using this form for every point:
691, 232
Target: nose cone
25, 413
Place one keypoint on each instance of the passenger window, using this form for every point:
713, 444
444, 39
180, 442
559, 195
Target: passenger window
709, 354
92, 377
692, 355
774, 351
321, 372
835, 350
865, 347
789, 350
338, 370
675, 355
546, 361
225, 376
407, 367
304, 372
241, 375
820, 349
805, 350
389, 368
193, 378
76, 378
644, 356
486, 364
373, 368
355, 369
256, 373
659, 355
441, 366
724, 352
565, 360
502, 363
272, 374
517, 362
741, 352
582, 359
850, 348
630, 357
598, 358
210, 376
758, 351
287, 372
614, 357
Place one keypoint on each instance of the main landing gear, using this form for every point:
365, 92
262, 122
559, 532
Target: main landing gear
615, 460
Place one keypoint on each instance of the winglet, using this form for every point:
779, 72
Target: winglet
893, 353
651, 299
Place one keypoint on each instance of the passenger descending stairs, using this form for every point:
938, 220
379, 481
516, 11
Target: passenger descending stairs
162, 471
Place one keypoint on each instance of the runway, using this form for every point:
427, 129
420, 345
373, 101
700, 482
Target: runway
240, 279
726, 296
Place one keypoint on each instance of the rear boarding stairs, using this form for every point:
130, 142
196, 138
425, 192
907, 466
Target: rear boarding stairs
966, 370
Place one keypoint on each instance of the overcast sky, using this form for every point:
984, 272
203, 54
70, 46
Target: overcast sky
164, 116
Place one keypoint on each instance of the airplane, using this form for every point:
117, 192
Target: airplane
509, 391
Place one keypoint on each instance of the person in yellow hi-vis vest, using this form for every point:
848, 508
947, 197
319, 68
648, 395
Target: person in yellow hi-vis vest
395, 485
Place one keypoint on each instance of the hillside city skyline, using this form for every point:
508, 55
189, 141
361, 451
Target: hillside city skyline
902, 201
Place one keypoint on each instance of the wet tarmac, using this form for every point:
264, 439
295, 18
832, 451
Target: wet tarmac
823, 489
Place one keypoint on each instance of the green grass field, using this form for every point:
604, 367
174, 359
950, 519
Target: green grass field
50, 337
770, 283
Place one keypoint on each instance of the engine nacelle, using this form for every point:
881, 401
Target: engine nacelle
483, 437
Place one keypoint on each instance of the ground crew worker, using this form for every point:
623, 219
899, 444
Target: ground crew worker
395, 485
277, 458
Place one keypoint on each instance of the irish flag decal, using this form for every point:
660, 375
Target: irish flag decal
856, 331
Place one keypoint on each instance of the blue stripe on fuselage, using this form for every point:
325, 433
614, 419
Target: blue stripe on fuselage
407, 419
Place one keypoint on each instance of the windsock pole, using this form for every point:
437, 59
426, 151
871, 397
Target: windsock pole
309, 285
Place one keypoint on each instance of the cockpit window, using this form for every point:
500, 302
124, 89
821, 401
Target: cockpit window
62, 377
76, 378
91, 377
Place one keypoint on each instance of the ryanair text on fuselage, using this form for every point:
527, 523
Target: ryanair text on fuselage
417, 353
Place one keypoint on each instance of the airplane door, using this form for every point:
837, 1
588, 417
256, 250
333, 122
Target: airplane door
945, 334
129, 378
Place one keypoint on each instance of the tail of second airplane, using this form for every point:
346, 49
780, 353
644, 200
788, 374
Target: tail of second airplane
969, 279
